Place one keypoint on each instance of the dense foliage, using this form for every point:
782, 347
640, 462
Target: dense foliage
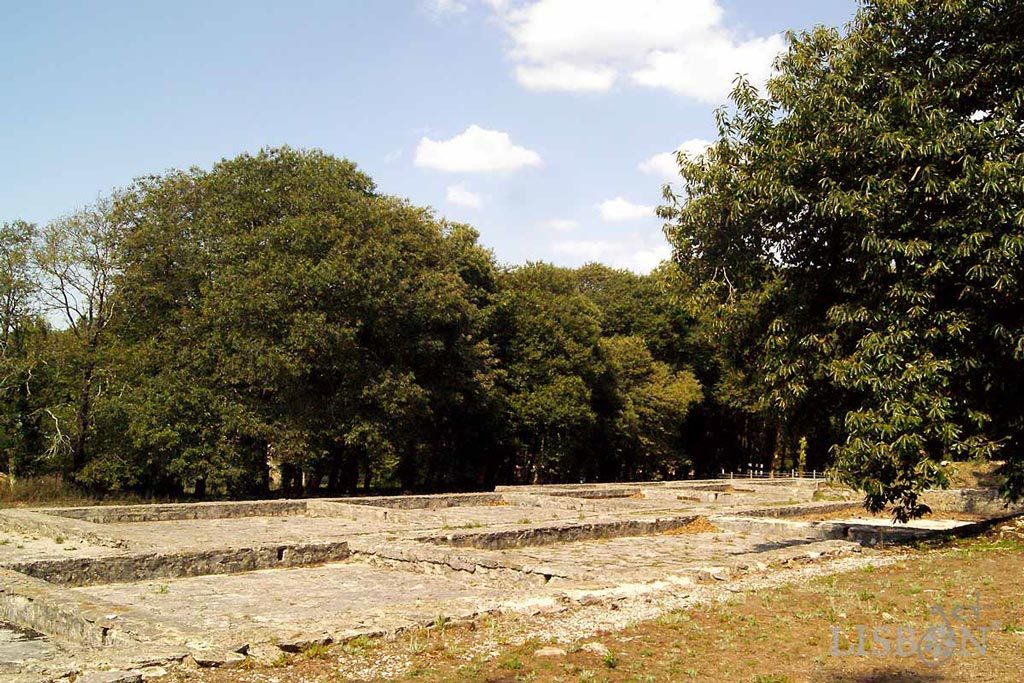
203, 329
845, 291
858, 235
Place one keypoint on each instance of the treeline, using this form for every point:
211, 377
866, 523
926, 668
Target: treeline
201, 329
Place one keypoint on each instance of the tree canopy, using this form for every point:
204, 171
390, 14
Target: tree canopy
860, 227
276, 315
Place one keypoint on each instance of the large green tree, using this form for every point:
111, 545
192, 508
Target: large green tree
278, 306
20, 326
585, 396
546, 335
868, 213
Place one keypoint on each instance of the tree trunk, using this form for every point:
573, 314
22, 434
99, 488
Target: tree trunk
334, 475
367, 474
82, 418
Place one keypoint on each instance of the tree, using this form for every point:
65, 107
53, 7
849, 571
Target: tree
19, 428
650, 401
17, 279
646, 306
869, 212
546, 335
585, 398
77, 260
329, 328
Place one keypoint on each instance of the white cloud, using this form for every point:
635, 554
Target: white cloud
636, 254
694, 147
475, 150
620, 209
560, 224
664, 164
441, 8
460, 195
705, 71
679, 45
564, 76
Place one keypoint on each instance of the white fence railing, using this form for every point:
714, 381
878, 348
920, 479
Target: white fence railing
772, 474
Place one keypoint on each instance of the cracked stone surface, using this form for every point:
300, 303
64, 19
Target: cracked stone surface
18, 648
332, 598
122, 588
21, 547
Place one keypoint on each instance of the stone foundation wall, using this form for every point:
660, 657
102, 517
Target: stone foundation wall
177, 511
986, 502
117, 569
562, 533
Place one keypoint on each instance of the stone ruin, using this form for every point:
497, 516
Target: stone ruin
125, 592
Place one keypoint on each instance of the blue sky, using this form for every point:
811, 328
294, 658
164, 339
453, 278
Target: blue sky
537, 121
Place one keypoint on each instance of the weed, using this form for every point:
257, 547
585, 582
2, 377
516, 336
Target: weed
512, 663
357, 645
316, 651
469, 672
610, 660
674, 619
417, 646
248, 664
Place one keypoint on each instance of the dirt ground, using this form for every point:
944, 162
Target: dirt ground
772, 635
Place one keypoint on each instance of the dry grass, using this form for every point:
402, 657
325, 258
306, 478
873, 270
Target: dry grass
700, 525
36, 491
54, 491
976, 474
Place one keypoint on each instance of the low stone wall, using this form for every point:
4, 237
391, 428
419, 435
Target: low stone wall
539, 500
722, 488
429, 558
597, 493
428, 502
562, 533
357, 513
984, 502
778, 527
123, 568
65, 614
37, 522
803, 509
178, 511
865, 534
